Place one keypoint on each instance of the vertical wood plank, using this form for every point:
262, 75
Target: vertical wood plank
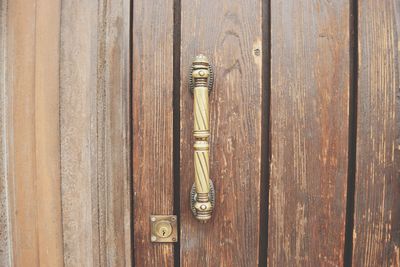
78, 81
94, 132
33, 168
376, 237
32, 171
47, 133
229, 33
115, 71
21, 63
5, 230
309, 132
152, 71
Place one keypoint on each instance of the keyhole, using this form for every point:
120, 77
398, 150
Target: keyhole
164, 229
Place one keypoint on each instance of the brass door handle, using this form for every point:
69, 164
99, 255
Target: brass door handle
202, 194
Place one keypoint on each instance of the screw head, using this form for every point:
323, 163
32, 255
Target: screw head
153, 219
201, 73
203, 207
153, 238
173, 219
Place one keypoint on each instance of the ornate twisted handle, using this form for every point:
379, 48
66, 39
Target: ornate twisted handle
202, 194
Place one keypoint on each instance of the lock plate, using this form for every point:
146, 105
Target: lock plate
163, 228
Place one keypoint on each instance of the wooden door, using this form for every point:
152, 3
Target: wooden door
304, 131
96, 132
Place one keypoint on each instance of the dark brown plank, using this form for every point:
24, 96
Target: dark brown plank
152, 71
377, 199
229, 33
309, 132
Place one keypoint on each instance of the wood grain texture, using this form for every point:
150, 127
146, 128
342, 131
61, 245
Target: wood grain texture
5, 233
78, 81
309, 132
47, 133
94, 132
21, 64
33, 171
152, 80
229, 33
376, 234
117, 133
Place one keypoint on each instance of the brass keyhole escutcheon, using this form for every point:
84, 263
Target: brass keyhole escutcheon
163, 229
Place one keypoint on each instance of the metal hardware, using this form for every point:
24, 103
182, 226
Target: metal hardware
202, 197
193, 197
163, 228
210, 82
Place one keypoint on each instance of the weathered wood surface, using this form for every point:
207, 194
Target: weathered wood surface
32, 132
229, 33
94, 132
21, 20
67, 82
46, 133
116, 133
5, 234
152, 90
94, 84
309, 132
376, 234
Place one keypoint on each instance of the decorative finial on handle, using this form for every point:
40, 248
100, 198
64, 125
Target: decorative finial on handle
202, 66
